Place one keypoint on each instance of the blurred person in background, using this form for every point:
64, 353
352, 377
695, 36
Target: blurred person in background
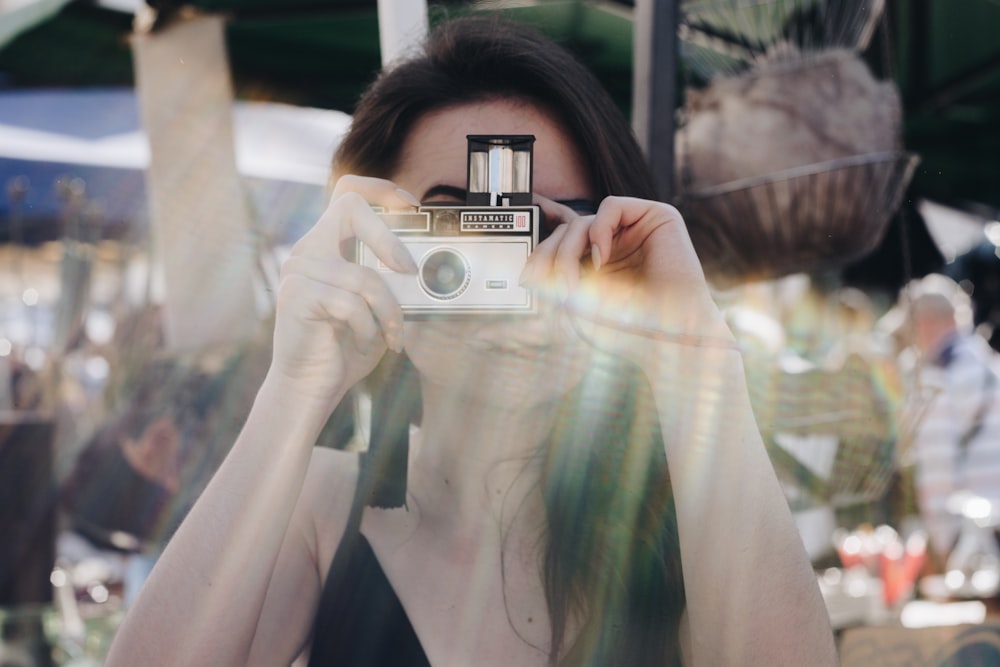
122, 491
952, 413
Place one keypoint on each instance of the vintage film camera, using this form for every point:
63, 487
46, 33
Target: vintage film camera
470, 257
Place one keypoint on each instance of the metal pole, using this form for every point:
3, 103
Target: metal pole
402, 25
654, 86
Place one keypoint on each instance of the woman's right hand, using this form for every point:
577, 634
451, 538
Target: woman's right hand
335, 319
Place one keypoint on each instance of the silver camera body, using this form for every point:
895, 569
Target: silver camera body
470, 257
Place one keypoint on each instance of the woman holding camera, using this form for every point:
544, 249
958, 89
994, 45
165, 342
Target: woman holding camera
586, 486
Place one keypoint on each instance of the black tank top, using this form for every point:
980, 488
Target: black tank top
360, 621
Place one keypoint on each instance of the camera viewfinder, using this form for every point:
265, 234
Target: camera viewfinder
500, 170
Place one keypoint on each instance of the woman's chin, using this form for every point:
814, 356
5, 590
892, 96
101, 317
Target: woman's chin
506, 378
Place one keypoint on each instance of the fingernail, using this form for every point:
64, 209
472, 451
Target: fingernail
595, 256
404, 261
413, 201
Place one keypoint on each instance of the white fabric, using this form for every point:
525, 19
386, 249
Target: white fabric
955, 394
199, 211
273, 140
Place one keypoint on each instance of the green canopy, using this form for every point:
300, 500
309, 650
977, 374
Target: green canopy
943, 54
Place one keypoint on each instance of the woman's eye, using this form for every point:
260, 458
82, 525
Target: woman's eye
443, 194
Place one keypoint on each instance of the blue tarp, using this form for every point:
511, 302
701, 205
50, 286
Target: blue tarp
93, 137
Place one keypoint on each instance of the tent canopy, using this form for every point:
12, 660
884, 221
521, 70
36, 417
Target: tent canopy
282, 151
943, 54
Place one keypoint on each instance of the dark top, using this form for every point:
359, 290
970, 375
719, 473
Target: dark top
360, 621
110, 503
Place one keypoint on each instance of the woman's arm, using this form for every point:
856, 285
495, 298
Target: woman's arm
246, 555
752, 597
201, 603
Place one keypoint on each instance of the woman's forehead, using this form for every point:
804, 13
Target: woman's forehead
435, 152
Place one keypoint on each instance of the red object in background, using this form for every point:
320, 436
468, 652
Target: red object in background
900, 566
849, 550
916, 556
891, 568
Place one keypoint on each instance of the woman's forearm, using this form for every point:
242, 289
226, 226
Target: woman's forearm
201, 603
752, 597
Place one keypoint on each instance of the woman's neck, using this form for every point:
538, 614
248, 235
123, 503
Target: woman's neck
473, 458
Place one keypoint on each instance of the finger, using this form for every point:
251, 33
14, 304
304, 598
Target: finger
616, 214
371, 291
541, 261
574, 246
538, 268
373, 191
350, 216
363, 282
554, 214
368, 228
610, 218
573, 243
378, 191
339, 308
351, 200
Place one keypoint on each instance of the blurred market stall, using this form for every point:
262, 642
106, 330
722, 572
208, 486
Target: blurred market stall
797, 202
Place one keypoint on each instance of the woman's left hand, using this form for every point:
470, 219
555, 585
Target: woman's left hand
643, 274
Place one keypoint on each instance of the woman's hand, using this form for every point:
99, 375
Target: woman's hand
336, 318
643, 274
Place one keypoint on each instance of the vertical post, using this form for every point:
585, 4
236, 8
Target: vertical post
200, 218
402, 25
654, 86
918, 52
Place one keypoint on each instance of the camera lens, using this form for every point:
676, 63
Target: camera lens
444, 274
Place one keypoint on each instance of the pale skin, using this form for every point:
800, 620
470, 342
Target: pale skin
239, 582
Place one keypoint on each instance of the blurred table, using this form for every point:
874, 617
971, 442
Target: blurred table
855, 598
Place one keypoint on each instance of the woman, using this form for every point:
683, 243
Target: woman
540, 527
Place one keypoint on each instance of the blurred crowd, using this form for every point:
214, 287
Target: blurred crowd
876, 409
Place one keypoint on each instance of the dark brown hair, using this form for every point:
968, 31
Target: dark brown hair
612, 556
475, 58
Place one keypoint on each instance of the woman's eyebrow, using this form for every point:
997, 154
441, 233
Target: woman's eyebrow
447, 190
581, 206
